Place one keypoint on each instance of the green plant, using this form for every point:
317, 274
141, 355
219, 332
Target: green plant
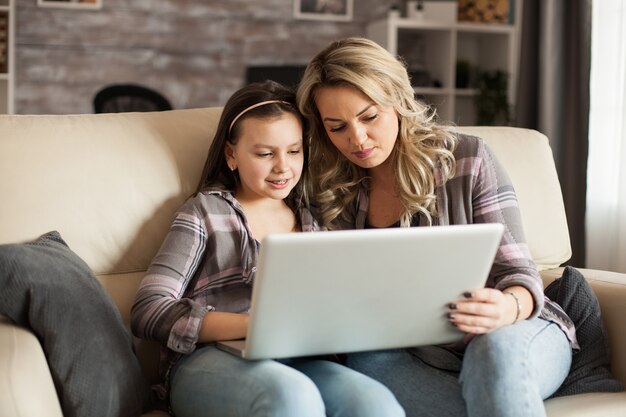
463, 70
492, 103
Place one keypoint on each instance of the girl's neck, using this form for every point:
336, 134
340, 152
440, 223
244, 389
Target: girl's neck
260, 204
266, 216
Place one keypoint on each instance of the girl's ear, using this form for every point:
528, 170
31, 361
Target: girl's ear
229, 153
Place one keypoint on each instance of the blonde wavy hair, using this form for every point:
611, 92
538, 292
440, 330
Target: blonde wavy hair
422, 144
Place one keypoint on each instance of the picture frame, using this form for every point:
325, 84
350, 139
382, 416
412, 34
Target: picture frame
331, 10
71, 4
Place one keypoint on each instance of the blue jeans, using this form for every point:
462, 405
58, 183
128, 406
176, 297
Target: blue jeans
505, 373
210, 382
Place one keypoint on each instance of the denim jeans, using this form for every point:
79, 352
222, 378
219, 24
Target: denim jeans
210, 382
504, 373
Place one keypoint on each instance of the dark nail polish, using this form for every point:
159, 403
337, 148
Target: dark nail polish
467, 294
451, 316
452, 306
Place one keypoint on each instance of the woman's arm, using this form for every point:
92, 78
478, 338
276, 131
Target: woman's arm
513, 278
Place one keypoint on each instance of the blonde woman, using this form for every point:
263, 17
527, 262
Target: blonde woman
380, 159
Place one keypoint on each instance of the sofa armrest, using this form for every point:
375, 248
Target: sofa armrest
26, 387
610, 288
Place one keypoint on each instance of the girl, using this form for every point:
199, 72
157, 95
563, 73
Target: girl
198, 287
380, 160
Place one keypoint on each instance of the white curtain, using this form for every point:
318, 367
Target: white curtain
606, 175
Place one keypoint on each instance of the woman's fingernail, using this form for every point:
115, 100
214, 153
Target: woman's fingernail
452, 306
451, 316
467, 294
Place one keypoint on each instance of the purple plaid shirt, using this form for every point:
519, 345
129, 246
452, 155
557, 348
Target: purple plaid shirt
206, 263
481, 192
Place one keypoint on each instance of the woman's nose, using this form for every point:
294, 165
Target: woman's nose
358, 134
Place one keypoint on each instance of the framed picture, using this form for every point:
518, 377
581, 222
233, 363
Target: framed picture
71, 4
339, 10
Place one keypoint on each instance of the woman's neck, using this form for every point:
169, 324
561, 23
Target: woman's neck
383, 178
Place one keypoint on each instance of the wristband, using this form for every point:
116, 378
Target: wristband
519, 305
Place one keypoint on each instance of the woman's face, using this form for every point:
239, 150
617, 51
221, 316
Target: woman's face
269, 157
361, 130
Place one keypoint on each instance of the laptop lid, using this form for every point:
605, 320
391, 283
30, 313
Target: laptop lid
357, 290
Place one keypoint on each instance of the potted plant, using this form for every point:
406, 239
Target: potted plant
463, 69
492, 103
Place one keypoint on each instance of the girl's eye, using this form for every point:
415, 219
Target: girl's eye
264, 154
336, 128
295, 151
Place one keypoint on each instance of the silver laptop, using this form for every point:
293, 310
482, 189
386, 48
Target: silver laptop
357, 290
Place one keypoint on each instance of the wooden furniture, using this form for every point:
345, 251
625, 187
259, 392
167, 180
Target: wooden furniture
432, 49
7, 55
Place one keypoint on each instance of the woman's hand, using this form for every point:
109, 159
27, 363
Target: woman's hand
487, 309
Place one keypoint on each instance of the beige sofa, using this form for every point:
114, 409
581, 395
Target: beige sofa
109, 183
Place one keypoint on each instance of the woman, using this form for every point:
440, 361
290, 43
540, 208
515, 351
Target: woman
198, 287
379, 159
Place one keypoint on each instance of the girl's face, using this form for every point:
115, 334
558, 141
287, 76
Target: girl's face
268, 156
361, 130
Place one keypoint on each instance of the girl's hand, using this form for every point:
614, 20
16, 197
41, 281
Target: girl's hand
484, 310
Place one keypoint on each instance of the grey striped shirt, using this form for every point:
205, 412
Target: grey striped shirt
207, 262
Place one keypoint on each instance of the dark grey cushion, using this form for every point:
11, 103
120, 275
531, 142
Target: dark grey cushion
590, 370
49, 289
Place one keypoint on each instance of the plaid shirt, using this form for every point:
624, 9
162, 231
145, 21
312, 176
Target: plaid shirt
206, 263
481, 192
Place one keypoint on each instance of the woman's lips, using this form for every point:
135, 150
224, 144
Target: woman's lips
364, 153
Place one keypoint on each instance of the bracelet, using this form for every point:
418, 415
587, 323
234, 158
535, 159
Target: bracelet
519, 305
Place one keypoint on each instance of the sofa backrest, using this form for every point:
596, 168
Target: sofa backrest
108, 183
528, 159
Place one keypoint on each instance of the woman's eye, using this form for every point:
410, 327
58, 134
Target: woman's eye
295, 151
336, 128
372, 117
264, 154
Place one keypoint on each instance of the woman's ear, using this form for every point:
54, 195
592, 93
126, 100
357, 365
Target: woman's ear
229, 154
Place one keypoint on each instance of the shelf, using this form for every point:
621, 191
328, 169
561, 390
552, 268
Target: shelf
74, 4
432, 91
466, 92
407, 23
432, 49
4, 76
485, 27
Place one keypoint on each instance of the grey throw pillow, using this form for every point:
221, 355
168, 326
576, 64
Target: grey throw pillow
49, 289
590, 370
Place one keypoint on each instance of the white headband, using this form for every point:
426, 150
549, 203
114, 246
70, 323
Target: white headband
247, 109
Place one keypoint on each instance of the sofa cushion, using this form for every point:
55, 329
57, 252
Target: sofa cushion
49, 289
590, 371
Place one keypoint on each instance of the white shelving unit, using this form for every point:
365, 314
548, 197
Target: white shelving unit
7, 54
435, 47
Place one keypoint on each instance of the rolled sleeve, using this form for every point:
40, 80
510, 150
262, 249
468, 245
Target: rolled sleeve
160, 311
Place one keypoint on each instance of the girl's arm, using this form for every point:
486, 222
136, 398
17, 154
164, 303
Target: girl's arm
218, 325
162, 311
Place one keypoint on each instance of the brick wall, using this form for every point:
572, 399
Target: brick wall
193, 51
